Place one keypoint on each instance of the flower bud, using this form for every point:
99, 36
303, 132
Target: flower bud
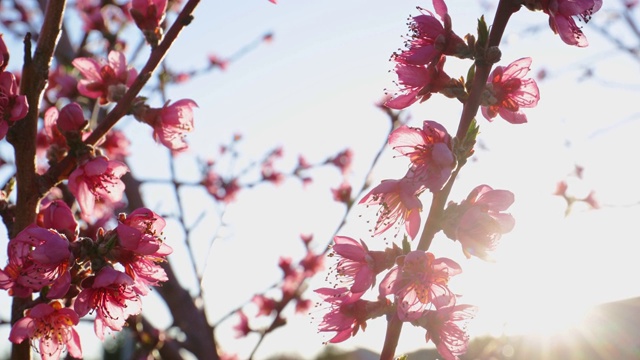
71, 118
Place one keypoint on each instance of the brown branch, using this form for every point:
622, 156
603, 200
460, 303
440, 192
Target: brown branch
62, 170
22, 136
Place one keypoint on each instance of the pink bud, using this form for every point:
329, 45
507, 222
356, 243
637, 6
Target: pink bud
71, 118
148, 14
58, 216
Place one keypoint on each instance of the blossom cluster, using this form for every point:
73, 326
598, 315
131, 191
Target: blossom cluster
414, 286
77, 273
80, 256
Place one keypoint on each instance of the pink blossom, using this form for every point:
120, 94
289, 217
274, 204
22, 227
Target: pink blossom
417, 83
242, 328
269, 173
398, 204
342, 193
417, 281
37, 258
58, 216
479, 222
346, 316
140, 231
291, 279
446, 327
507, 91
591, 200
148, 14
303, 305
95, 180
71, 118
356, 263
265, 305
561, 14
116, 145
430, 38
215, 61
54, 142
343, 160
61, 84
110, 293
13, 107
170, 123
312, 263
50, 326
220, 188
142, 249
105, 81
429, 150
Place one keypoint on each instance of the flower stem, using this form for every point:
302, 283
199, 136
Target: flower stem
394, 326
432, 225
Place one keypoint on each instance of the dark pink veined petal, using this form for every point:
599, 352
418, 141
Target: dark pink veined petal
89, 68
413, 76
405, 138
363, 280
517, 69
402, 101
513, 117
440, 7
349, 248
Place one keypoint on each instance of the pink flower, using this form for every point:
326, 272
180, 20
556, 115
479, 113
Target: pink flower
141, 248
215, 61
97, 179
71, 118
13, 107
430, 38
356, 263
429, 150
342, 193
418, 280
561, 13
398, 204
52, 327
220, 188
507, 91
292, 277
342, 160
312, 263
478, 222
171, 122
61, 84
148, 14
446, 327
345, 315
37, 258
58, 216
111, 295
417, 83
265, 305
116, 145
105, 81
242, 328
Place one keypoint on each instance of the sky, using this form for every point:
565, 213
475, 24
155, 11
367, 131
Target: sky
312, 91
